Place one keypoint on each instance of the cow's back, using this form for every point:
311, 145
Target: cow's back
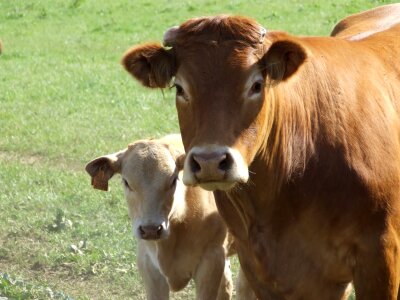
361, 25
386, 48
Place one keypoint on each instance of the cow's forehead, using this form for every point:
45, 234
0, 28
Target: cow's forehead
204, 63
223, 52
209, 49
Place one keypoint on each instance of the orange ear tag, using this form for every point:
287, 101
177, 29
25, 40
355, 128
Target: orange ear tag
100, 181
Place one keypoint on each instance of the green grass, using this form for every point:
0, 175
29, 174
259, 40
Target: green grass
65, 99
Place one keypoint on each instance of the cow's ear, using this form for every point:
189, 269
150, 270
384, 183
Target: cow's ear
178, 155
101, 169
283, 59
151, 64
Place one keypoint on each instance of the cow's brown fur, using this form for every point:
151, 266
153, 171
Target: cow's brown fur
321, 207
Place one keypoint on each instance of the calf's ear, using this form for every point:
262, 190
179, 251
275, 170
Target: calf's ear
101, 169
151, 64
283, 59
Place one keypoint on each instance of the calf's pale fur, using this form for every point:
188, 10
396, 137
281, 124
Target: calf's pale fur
180, 233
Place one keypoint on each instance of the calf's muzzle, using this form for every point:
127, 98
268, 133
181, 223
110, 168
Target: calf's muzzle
151, 232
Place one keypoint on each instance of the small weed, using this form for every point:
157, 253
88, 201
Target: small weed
60, 223
76, 3
42, 13
15, 13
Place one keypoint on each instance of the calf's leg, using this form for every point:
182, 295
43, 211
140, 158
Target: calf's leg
155, 283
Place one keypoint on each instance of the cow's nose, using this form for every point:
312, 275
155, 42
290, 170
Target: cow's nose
210, 166
151, 232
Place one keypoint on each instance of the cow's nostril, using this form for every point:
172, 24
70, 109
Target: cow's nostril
194, 165
226, 163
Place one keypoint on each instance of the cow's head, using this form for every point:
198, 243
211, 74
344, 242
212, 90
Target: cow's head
223, 69
149, 172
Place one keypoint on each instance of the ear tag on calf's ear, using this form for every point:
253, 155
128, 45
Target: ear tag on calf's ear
263, 32
100, 181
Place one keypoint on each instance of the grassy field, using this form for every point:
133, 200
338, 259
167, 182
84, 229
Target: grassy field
65, 99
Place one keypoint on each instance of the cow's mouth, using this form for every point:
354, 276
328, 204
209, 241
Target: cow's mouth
217, 185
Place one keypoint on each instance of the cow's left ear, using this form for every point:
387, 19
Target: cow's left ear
178, 155
101, 169
283, 59
151, 64
180, 162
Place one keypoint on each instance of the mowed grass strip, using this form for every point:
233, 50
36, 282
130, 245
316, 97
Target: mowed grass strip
65, 99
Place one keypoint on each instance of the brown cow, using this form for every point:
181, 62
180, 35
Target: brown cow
299, 137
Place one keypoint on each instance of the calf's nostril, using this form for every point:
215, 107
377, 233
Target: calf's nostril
141, 230
194, 165
159, 230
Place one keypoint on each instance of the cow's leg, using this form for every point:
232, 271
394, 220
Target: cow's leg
377, 271
243, 289
209, 273
155, 283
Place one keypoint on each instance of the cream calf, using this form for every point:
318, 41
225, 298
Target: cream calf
180, 233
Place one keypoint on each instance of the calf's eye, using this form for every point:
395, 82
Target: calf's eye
126, 184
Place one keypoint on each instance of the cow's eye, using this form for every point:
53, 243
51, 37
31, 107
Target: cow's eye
256, 87
179, 90
126, 184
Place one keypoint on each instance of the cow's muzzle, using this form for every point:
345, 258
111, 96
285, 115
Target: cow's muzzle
214, 167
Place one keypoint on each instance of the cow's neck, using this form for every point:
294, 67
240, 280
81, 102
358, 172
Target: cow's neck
287, 141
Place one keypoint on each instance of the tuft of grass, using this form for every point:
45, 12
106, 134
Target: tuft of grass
17, 289
64, 100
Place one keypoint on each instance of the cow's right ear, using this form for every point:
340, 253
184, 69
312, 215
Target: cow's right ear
101, 169
151, 64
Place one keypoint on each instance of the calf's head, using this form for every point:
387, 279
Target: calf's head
149, 172
222, 68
